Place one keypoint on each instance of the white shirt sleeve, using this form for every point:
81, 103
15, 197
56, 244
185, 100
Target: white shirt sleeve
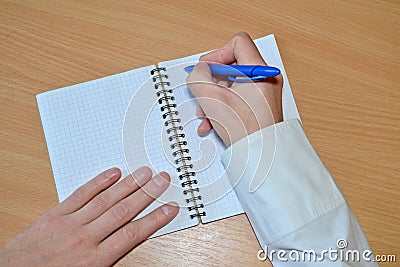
295, 207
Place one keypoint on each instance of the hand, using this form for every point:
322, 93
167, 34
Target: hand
235, 110
93, 226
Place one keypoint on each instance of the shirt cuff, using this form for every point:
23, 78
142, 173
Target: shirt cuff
280, 180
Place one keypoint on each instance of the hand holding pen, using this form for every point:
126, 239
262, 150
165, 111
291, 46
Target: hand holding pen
244, 107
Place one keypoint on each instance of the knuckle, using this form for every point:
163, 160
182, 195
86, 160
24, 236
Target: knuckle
242, 35
128, 183
276, 82
280, 79
77, 196
121, 211
77, 240
80, 240
67, 220
101, 202
202, 58
220, 56
45, 221
131, 182
190, 78
130, 233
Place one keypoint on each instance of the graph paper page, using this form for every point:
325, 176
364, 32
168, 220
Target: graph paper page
87, 125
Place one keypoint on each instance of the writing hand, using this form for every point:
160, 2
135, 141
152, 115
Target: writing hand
235, 110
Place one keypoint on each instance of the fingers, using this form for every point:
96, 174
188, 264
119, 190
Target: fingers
133, 233
205, 125
88, 191
108, 198
201, 82
129, 207
200, 75
240, 49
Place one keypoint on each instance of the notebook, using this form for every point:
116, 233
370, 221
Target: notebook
146, 117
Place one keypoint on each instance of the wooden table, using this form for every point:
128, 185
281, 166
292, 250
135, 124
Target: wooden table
342, 59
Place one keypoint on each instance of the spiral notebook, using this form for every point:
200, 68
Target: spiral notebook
147, 117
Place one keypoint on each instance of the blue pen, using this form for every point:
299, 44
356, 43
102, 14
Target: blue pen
253, 72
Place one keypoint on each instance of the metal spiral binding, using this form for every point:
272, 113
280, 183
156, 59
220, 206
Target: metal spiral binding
178, 143
187, 191
167, 122
175, 153
191, 199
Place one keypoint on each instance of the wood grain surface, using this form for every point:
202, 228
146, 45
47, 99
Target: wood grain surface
342, 59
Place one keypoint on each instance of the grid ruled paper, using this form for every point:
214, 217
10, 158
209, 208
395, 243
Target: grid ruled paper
82, 125
89, 127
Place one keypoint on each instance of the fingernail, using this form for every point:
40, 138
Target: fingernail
159, 180
112, 173
142, 174
166, 209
